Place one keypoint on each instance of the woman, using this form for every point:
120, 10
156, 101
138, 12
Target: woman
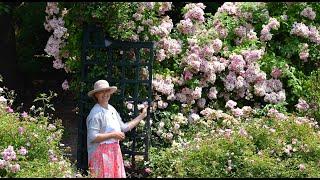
104, 131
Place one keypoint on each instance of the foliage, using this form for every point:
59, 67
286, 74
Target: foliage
4, 9
312, 94
258, 147
30, 144
248, 56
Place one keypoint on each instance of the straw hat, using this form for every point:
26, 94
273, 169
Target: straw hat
101, 85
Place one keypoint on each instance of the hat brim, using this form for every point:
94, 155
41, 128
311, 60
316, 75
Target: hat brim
112, 90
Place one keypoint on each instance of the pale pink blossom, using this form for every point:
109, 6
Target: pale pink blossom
231, 104
186, 26
57, 64
15, 168
23, 151
212, 93
300, 29
2, 164
288, 149
148, 170
3, 99
259, 89
137, 16
237, 112
273, 23
163, 85
160, 55
9, 109
149, 5
237, 63
217, 45
148, 22
161, 124
265, 34
252, 55
196, 14
129, 106
240, 31
302, 105
208, 52
276, 73
59, 32
52, 8
196, 94
314, 35
294, 141
65, 85
302, 167
246, 110
187, 75
24, 114
9, 154
243, 132
193, 117
176, 126
21, 130
227, 133
162, 104
229, 81
169, 136
304, 55
309, 13
165, 6
251, 35
51, 127
228, 7
207, 112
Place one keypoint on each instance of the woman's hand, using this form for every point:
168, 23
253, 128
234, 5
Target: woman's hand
118, 135
144, 112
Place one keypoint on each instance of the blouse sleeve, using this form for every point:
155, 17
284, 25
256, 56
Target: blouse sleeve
93, 128
124, 126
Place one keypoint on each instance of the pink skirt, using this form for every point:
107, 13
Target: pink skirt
107, 162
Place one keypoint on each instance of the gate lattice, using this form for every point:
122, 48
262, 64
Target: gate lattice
123, 65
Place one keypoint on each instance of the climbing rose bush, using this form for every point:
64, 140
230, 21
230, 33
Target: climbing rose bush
205, 60
212, 72
246, 56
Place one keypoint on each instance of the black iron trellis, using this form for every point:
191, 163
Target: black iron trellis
122, 72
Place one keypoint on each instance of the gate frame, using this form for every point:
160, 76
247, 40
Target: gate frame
107, 43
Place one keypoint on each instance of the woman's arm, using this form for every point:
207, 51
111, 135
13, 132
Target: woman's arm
104, 136
133, 123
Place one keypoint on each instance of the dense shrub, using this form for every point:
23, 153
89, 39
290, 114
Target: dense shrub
30, 141
272, 146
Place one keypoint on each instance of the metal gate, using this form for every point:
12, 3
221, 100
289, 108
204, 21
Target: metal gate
127, 65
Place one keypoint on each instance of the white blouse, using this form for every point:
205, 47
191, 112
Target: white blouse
103, 120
